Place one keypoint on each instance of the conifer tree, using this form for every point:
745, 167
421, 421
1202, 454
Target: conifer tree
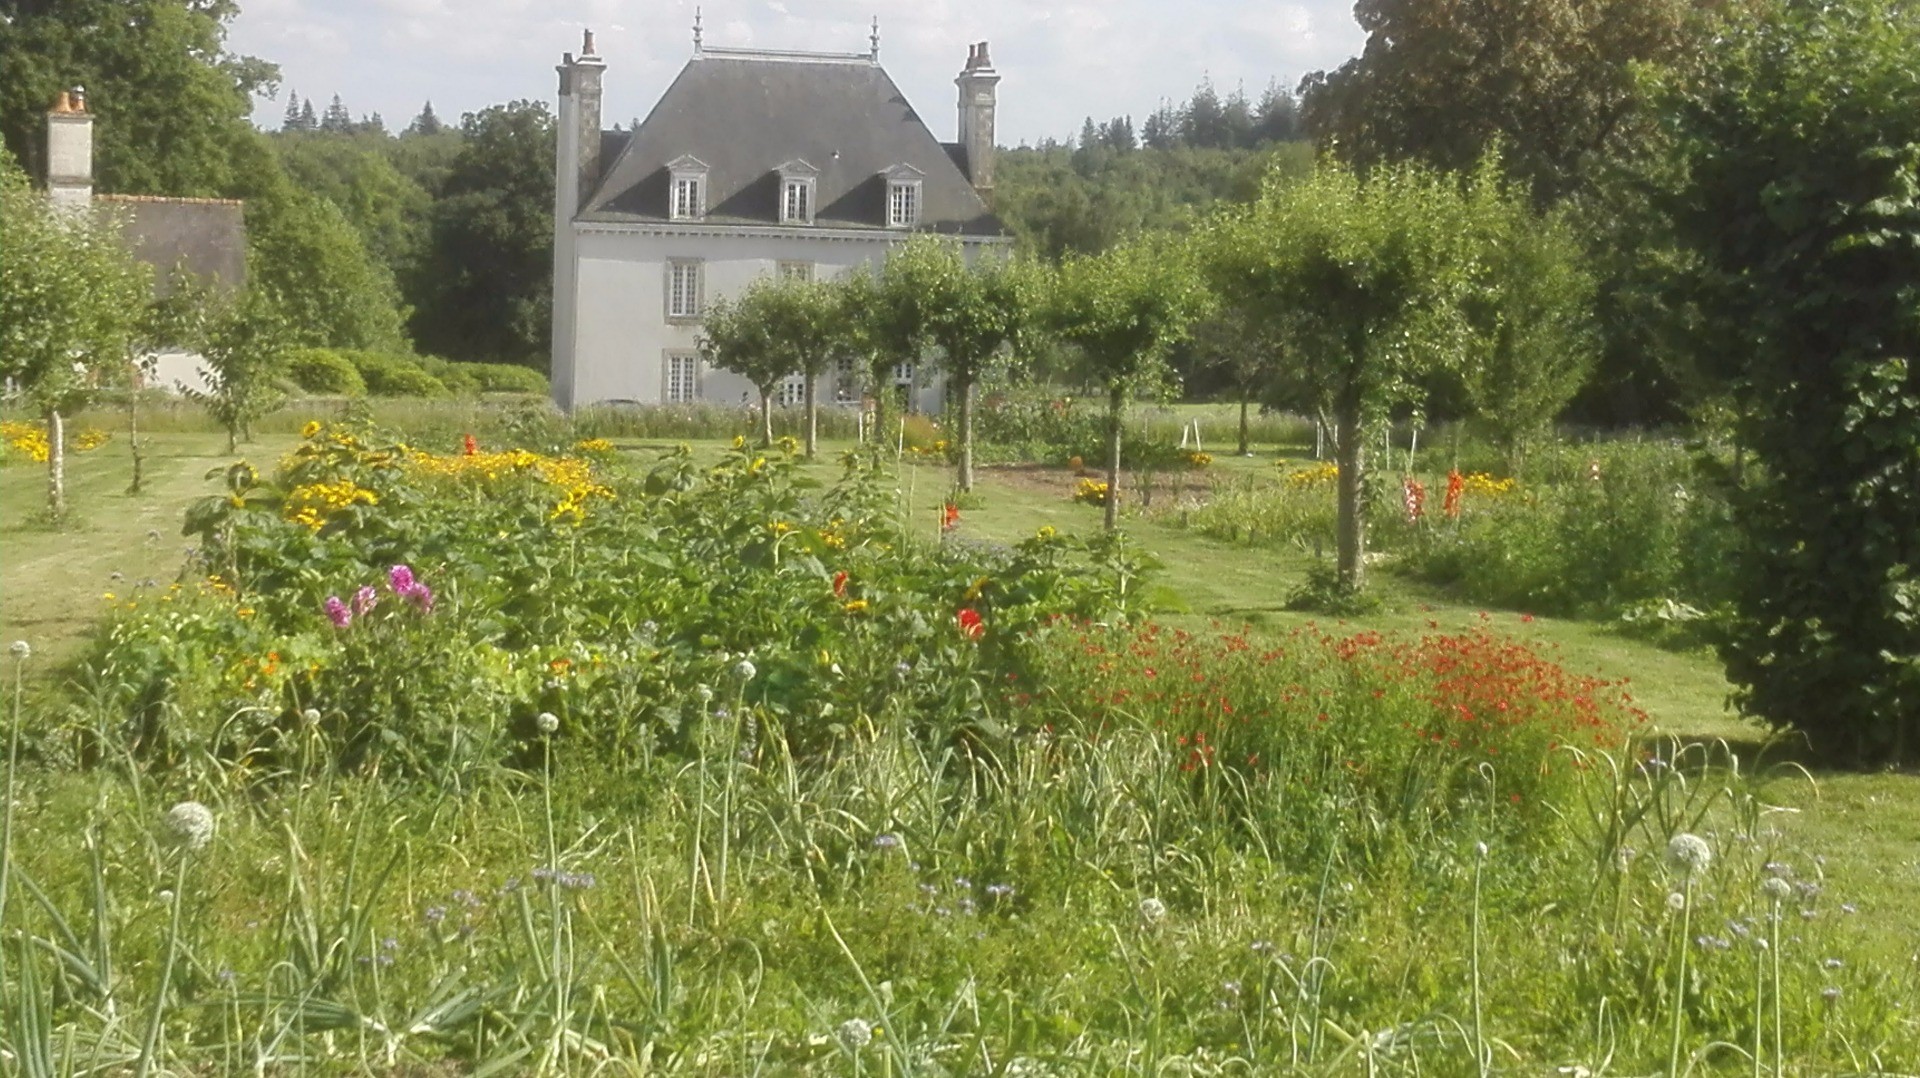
337, 120
308, 122
426, 123
291, 121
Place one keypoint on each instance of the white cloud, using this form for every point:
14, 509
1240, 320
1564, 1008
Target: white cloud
1060, 62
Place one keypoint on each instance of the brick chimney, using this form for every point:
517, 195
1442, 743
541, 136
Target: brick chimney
576, 171
976, 82
70, 150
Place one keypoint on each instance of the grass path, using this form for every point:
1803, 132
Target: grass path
52, 579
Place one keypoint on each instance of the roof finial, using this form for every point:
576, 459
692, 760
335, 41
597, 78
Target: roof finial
874, 53
696, 31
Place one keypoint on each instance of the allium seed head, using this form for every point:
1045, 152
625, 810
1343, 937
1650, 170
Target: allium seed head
20, 649
1776, 888
1676, 901
743, 670
1152, 910
190, 824
1689, 853
855, 1034
547, 722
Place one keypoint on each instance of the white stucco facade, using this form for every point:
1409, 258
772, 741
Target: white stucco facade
624, 340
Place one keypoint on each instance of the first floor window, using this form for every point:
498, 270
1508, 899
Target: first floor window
903, 374
683, 378
791, 391
683, 290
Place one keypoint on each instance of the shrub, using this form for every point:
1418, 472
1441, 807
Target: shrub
323, 370
506, 378
389, 375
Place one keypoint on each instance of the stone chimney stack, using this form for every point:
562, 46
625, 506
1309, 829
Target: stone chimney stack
579, 134
976, 82
70, 150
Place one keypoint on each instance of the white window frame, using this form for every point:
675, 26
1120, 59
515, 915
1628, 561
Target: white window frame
791, 391
903, 203
687, 190
680, 378
793, 271
796, 189
685, 287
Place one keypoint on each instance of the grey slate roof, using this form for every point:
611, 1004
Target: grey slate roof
206, 237
746, 116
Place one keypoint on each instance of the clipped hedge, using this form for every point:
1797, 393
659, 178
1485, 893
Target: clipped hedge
389, 375
457, 377
507, 378
323, 370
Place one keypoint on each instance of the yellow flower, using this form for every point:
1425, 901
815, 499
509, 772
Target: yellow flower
779, 527
739, 441
855, 607
312, 428
245, 612
979, 586
1046, 533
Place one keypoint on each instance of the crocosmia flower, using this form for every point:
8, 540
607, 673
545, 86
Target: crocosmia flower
971, 625
469, 445
951, 518
840, 583
338, 613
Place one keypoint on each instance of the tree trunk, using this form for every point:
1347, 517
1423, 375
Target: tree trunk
766, 416
56, 464
965, 386
813, 417
880, 390
1349, 452
133, 439
1115, 401
1243, 423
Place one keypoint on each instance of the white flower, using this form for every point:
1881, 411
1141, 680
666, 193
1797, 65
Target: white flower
1676, 901
20, 649
704, 693
547, 722
1152, 910
1480, 848
190, 823
855, 1034
311, 715
1776, 888
1689, 853
743, 670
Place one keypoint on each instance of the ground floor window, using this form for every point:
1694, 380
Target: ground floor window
683, 378
791, 391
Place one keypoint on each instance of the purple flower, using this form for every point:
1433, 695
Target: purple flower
421, 596
364, 600
338, 613
400, 578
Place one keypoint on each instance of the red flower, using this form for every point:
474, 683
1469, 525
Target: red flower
840, 584
951, 519
971, 626
1456, 486
470, 445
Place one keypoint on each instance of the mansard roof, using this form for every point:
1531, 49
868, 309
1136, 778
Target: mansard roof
746, 114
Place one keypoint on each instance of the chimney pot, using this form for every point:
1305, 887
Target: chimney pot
78, 95
984, 62
586, 43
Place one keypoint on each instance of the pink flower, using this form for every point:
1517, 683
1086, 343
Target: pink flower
400, 578
421, 596
338, 613
364, 600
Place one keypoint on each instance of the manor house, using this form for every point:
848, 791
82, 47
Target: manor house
753, 162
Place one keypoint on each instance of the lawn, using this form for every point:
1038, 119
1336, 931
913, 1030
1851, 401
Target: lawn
864, 894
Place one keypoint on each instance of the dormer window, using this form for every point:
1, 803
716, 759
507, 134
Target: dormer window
903, 196
796, 192
688, 193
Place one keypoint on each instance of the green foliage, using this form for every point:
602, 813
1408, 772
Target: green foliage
1531, 318
1551, 83
485, 290
1123, 310
1797, 157
970, 313
71, 298
505, 378
802, 320
245, 348
1363, 280
333, 293
323, 370
387, 208
171, 104
389, 374
736, 335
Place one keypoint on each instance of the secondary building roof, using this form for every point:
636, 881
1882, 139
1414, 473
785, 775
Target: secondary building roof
744, 115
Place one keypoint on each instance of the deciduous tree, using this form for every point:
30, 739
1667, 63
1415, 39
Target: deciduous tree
1797, 154
1122, 310
245, 344
736, 335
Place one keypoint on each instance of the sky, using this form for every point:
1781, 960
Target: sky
1059, 62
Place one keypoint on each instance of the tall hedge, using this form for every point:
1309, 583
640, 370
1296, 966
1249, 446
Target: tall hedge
1800, 145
